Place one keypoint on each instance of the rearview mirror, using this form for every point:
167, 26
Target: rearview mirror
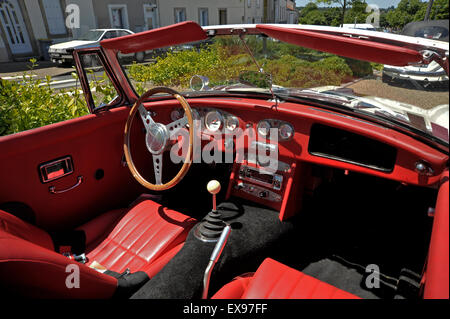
199, 83
256, 79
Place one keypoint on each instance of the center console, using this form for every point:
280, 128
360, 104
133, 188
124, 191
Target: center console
276, 190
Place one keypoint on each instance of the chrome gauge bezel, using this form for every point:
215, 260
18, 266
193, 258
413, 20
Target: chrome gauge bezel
268, 126
176, 114
207, 121
277, 124
290, 128
235, 123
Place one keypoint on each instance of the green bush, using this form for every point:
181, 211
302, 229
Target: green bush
29, 105
176, 68
289, 71
359, 68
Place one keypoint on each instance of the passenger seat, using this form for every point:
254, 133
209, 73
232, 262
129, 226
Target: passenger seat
274, 280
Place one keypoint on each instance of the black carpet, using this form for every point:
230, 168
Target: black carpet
256, 234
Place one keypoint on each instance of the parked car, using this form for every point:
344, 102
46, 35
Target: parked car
286, 180
426, 74
61, 53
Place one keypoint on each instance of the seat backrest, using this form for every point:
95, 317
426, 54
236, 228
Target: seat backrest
274, 280
29, 266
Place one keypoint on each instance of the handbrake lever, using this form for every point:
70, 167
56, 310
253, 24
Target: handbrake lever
217, 252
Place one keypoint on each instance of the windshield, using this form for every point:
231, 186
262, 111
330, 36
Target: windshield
416, 96
91, 35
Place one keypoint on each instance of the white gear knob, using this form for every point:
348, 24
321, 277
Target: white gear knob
213, 187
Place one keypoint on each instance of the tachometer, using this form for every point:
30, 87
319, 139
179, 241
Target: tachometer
213, 121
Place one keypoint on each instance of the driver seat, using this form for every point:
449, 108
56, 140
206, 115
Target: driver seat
143, 238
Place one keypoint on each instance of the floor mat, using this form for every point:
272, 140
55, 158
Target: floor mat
341, 276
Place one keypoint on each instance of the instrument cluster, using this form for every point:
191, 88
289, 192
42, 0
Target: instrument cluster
215, 120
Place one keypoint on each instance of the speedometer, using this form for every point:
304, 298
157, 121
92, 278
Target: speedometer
213, 121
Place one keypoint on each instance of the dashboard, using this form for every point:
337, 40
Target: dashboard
302, 135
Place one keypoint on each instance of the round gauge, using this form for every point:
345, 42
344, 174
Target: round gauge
286, 131
213, 121
232, 123
176, 114
264, 128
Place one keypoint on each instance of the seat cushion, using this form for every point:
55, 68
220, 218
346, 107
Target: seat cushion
274, 280
145, 235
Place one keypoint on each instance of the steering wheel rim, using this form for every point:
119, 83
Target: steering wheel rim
163, 132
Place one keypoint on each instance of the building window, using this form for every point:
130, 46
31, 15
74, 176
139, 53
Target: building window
222, 16
54, 16
118, 16
249, 3
203, 16
180, 14
151, 16
258, 3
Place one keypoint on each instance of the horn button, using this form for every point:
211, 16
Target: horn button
156, 138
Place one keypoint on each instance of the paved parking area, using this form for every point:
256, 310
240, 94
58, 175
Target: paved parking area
422, 98
44, 68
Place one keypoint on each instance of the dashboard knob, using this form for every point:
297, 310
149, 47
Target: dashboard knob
263, 194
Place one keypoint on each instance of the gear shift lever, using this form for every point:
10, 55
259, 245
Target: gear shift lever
211, 227
213, 188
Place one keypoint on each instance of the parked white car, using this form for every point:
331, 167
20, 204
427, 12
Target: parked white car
61, 53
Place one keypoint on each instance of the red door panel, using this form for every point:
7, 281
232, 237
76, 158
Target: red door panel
94, 142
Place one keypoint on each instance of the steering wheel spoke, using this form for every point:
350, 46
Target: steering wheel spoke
145, 117
157, 168
176, 126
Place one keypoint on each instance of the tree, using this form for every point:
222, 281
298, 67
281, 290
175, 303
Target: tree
413, 10
342, 3
357, 13
312, 15
439, 11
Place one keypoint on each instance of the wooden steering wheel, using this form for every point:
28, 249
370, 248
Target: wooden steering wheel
157, 139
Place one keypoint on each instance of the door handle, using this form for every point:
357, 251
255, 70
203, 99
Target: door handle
53, 190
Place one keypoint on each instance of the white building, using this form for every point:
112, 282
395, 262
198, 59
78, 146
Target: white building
26, 24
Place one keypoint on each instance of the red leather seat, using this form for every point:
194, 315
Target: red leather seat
143, 238
274, 280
